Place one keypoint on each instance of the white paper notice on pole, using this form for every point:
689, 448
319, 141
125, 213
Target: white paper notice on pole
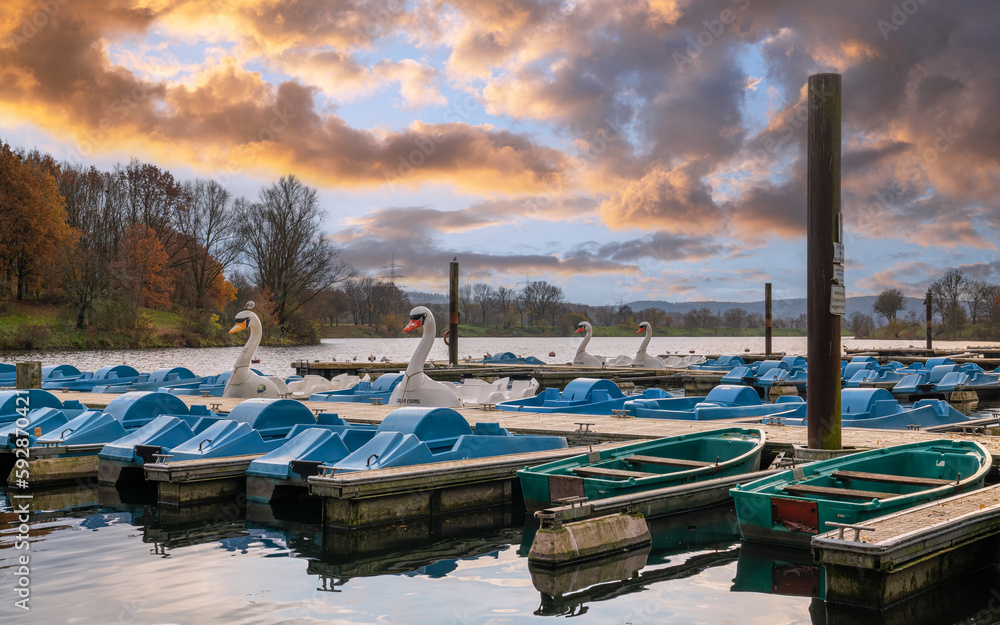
838, 274
838, 300
838, 252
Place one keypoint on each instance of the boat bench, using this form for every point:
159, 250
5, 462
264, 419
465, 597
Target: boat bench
667, 462
890, 479
617, 474
849, 493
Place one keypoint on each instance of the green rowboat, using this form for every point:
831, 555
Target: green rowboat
793, 506
643, 466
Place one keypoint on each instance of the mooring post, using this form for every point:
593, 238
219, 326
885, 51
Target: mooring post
767, 319
825, 257
28, 374
930, 319
453, 314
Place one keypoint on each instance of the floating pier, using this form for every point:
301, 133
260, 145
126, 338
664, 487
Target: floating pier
887, 560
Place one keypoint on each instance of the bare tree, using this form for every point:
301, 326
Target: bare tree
485, 297
466, 301
606, 315
285, 249
207, 226
735, 318
504, 302
860, 324
946, 293
94, 210
976, 293
540, 298
653, 315
888, 304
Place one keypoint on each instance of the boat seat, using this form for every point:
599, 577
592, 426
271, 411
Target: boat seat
890, 479
667, 462
850, 493
616, 474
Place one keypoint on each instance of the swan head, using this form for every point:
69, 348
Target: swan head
242, 322
643, 327
417, 317
582, 327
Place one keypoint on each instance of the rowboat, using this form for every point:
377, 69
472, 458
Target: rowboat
643, 466
792, 506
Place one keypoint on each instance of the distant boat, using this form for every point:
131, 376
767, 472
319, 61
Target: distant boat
643, 466
793, 506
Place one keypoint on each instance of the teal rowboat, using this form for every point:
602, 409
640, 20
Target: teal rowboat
643, 466
793, 506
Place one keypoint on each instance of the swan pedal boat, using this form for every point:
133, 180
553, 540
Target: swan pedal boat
640, 467
793, 506
417, 389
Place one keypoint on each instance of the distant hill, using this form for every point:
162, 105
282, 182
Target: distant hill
787, 308
420, 297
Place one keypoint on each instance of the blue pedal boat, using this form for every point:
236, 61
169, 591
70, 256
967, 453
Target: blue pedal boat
726, 401
876, 408
123, 415
15, 403
508, 358
409, 436
155, 381
8, 374
581, 396
118, 374
363, 392
722, 363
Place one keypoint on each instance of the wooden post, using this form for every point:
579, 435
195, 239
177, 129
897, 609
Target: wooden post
930, 319
824, 249
453, 316
767, 319
28, 374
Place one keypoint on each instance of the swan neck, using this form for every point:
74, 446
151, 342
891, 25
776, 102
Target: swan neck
586, 339
252, 344
416, 364
645, 340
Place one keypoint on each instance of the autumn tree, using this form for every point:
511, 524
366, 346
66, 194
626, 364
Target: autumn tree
141, 268
285, 249
541, 298
32, 216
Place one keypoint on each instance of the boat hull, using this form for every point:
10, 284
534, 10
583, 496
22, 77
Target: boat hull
726, 452
777, 509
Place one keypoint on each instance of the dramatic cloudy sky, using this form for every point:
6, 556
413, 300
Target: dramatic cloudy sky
622, 149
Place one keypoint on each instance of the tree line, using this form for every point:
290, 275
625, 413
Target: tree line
961, 306
110, 243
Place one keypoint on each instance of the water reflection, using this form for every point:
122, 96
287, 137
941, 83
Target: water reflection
779, 570
683, 546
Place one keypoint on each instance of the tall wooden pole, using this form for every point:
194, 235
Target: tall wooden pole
826, 298
930, 319
767, 319
453, 314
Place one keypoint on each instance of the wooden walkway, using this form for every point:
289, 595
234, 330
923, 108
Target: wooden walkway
581, 429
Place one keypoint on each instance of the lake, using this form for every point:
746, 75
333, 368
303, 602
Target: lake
277, 360
95, 559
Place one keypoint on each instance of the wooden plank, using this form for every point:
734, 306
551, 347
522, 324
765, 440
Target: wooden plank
667, 462
890, 479
617, 474
850, 493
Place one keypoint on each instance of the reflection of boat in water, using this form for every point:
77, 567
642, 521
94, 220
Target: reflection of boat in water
430, 546
687, 543
778, 570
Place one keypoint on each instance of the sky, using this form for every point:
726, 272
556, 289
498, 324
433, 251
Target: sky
624, 150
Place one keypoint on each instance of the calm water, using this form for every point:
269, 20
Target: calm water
94, 559
277, 360
132, 564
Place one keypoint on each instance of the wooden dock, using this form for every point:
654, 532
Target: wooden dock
900, 555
